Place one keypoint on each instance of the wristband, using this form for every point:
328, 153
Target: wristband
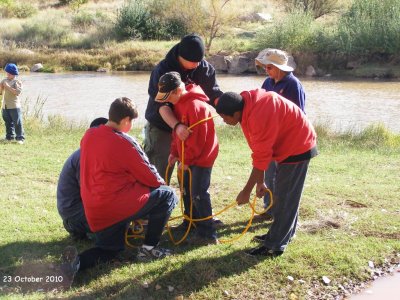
176, 125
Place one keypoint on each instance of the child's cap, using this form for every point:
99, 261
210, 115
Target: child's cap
167, 83
11, 69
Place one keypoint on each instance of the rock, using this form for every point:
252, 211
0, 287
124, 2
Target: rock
290, 278
170, 289
371, 264
158, 287
36, 67
145, 285
326, 280
219, 62
263, 17
239, 64
25, 52
310, 71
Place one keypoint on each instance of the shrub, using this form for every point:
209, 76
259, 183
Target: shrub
371, 27
296, 32
10, 9
135, 21
44, 33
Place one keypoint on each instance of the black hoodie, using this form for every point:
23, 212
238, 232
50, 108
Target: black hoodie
203, 75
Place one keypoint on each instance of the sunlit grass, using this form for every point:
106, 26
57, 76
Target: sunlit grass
349, 216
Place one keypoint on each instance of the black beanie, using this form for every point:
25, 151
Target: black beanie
191, 48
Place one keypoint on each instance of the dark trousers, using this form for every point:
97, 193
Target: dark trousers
289, 184
201, 206
111, 240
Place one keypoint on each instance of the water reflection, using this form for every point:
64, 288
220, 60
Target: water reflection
341, 104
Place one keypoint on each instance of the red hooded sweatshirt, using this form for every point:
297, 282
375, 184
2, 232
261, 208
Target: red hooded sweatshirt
275, 128
201, 147
116, 177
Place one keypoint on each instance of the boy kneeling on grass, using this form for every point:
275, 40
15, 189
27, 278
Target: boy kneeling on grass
201, 149
118, 185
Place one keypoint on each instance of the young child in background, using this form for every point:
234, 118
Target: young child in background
201, 150
11, 88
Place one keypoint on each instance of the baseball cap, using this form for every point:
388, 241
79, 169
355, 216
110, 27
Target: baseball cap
166, 84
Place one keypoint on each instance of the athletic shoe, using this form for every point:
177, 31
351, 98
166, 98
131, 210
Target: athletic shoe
263, 251
70, 262
198, 240
259, 238
21, 142
155, 253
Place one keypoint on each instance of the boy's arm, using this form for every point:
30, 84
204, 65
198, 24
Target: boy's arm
15, 91
140, 168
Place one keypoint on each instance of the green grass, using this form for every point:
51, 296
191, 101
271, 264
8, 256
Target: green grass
349, 216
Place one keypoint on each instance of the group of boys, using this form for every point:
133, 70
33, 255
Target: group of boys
118, 182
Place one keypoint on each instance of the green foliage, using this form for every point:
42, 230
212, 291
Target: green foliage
135, 21
371, 27
294, 33
11, 9
43, 32
74, 3
317, 8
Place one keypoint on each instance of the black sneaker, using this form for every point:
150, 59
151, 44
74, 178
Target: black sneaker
217, 222
263, 251
70, 262
260, 238
155, 253
198, 240
183, 227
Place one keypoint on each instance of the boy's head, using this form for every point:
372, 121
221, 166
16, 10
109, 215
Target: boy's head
11, 69
170, 88
191, 51
98, 121
122, 112
230, 107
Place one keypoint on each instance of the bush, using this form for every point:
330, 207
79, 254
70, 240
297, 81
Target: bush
296, 32
10, 9
371, 27
43, 33
135, 21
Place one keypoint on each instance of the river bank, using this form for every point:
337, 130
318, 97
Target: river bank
143, 56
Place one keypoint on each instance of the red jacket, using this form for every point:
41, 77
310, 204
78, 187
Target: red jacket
201, 147
116, 177
275, 128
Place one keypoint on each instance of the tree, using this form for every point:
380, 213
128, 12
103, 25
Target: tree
318, 8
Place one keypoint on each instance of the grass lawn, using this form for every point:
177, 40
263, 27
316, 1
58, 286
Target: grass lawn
349, 216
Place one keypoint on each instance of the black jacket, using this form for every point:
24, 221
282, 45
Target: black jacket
203, 75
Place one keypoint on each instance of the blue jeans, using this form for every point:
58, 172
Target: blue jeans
110, 241
269, 179
201, 178
13, 120
158, 208
288, 189
77, 225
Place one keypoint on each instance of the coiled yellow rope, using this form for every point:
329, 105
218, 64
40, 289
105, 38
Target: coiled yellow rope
137, 223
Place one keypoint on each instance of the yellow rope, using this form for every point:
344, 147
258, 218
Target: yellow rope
189, 218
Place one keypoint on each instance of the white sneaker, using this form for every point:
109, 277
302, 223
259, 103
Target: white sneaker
21, 142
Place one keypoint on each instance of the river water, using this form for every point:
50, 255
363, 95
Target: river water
341, 104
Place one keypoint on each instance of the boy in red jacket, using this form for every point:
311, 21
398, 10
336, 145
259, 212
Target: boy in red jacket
118, 185
201, 149
275, 129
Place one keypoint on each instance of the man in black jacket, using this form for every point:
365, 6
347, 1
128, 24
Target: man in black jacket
186, 58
